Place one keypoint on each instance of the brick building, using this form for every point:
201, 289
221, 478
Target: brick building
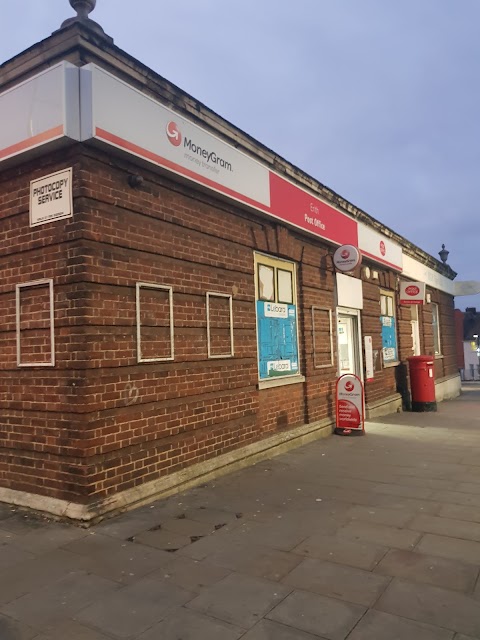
171, 305
468, 343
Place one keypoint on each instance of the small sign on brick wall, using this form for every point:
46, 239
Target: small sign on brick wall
412, 293
51, 198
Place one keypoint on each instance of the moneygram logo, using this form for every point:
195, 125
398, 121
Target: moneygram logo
383, 248
173, 134
205, 158
345, 254
349, 386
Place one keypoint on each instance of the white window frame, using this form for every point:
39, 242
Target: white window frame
332, 357
158, 287
269, 260
415, 325
31, 285
213, 294
436, 308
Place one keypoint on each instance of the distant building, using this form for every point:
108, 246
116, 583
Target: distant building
174, 299
471, 344
459, 318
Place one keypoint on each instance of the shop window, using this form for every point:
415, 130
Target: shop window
322, 337
219, 325
35, 324
389, 330
155, 334
276, 305
436, 330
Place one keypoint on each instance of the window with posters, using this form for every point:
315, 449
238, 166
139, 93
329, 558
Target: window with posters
389, 329
276, 305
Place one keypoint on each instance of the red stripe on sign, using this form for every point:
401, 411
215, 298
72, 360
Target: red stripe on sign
288, 202
378, 259
304, 210
29, 143
173, 166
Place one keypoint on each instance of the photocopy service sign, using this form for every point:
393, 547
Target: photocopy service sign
51, 198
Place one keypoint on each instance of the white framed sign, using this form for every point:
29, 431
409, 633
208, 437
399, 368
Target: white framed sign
51, 198
412, 293
369, 368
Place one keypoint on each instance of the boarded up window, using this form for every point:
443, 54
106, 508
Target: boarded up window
219, 325
155, 337
34, 324
322, 337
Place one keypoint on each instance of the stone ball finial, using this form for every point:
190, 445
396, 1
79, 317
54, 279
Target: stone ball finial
83, 7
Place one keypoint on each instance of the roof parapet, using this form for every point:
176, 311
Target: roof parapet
83, 8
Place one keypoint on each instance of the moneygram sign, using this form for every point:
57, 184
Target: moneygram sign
347, 258
125, 117
212, 161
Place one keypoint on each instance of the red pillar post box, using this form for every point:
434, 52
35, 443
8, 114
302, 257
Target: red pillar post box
422, 383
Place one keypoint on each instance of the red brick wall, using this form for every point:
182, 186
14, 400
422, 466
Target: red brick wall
99, 421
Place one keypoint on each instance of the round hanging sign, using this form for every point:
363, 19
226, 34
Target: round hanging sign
347, 257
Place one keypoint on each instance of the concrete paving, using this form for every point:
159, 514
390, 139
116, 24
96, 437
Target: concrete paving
374, 538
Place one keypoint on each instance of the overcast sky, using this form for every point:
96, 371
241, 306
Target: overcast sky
377, 99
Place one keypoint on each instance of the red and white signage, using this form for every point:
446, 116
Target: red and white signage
302, 209
347, 257
350, 406
412, 293
43, 109
128, 119
379, 248
115, 113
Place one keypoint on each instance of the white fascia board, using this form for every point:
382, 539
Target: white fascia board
421, 273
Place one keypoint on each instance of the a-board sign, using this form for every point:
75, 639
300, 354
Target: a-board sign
350, 406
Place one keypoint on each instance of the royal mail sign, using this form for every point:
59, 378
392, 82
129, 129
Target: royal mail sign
412, 293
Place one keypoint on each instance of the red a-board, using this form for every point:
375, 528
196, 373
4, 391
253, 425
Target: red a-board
349, 406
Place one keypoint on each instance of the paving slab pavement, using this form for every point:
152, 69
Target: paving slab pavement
372, 538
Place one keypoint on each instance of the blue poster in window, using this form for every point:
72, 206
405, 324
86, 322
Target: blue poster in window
277, 339
389, 339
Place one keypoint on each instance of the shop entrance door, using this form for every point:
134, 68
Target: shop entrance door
348, 334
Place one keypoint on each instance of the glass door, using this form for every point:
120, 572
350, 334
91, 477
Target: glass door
348, 344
